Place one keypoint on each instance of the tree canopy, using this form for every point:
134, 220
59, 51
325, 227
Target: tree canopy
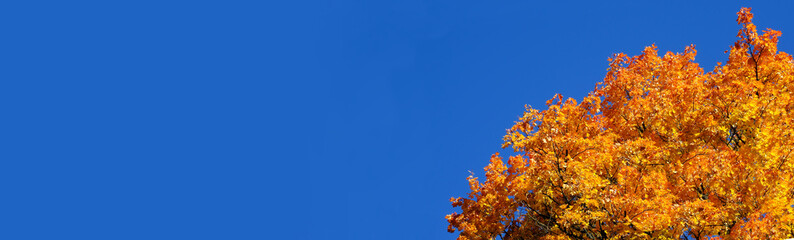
660, 148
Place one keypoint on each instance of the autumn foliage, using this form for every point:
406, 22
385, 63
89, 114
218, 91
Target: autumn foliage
659, 149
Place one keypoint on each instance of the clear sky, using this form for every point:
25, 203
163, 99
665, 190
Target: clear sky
300, 119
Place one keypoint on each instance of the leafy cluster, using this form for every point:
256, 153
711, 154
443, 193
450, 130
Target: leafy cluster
659, 149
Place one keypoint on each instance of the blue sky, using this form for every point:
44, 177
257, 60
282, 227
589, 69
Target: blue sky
295, 119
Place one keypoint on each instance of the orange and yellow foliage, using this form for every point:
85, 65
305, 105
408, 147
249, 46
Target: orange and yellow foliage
660, 148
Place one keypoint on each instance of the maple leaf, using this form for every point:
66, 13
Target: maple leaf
658, 150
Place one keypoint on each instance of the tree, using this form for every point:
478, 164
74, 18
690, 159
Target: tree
658, 150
